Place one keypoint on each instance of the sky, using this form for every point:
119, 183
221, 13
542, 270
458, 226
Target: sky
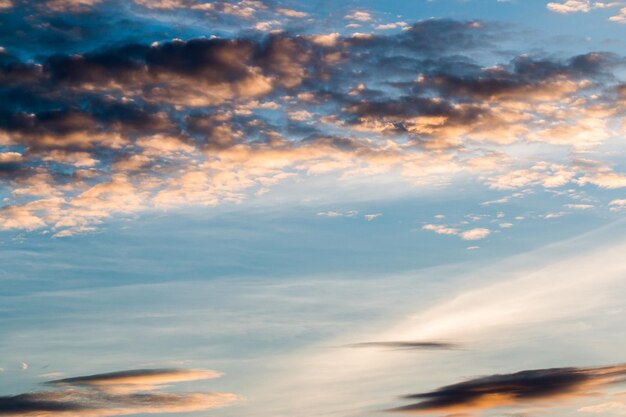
276, 208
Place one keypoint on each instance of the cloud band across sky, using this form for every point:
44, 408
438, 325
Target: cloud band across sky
204, 121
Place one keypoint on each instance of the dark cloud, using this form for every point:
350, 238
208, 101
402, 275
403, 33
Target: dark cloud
399, 345
25, 404
136, 376
260, 107
520, 388
116, 393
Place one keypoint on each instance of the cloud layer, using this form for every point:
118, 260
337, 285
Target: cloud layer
113, 130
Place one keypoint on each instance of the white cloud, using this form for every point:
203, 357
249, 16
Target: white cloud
333, 213
585, 6
359, 15
475, 234
570, 6
620, 17
580, 206
440, 229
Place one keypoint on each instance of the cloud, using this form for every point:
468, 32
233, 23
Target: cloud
370, 217
291, 12
112, 131
612, 407
71, 5
516, 389
334, 213
471, 234
388, 26
570, 6
475, 234
117, 393
399, 345
585, 6
138, 379
359, 15
440, 229
617, 204
620, 17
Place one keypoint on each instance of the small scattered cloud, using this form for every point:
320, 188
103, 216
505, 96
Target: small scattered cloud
471, 234
359, 15
620, 17
334, 213
554, 215
585, 6
395, 25
617, 204
370, 217
580, 206
291, 12
475, 234
440, 229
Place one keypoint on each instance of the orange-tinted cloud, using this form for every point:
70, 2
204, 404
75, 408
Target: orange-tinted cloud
117, 393
534, 387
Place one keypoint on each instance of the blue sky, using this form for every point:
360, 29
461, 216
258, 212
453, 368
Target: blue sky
278, 208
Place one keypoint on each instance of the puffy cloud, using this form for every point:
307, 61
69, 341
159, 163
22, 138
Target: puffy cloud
130, 127
475, 234
388, 26
585, 6
620, 17
471, 234
440, 229
570, 6
604, 179
359, 15
10, 157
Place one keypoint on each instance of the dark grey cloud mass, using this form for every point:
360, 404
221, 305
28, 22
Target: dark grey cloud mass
117, 393
516, 389
157, 120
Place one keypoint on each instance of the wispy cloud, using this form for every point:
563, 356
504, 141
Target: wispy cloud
117, 393
406, 345
518, 389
